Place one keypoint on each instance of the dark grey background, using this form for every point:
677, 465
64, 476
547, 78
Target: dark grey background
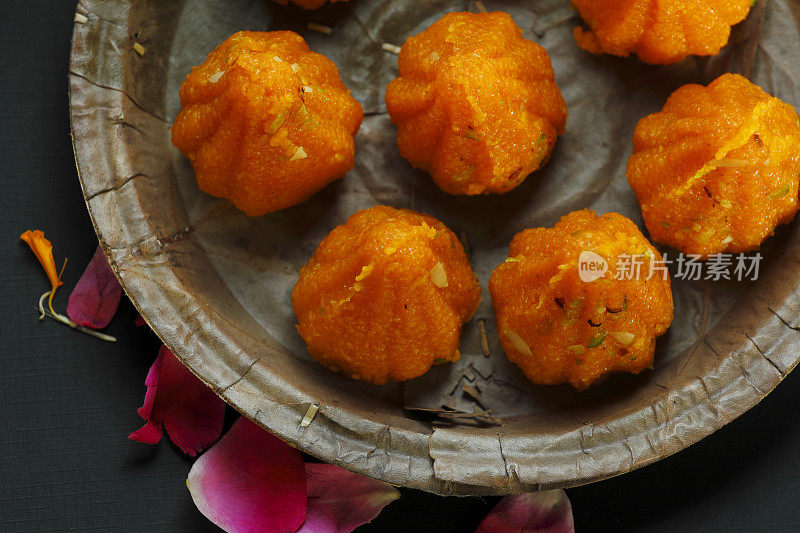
68, 402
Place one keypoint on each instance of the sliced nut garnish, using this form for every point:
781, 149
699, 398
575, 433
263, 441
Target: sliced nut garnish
393, 48
518, 342
484, 340
310, 414
439, 276
623, 337
327, 30
299, 154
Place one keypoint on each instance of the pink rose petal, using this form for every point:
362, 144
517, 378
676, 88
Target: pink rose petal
95, 299
151, 382
339, 501
536, 512
250, 481
190, 411
150, 433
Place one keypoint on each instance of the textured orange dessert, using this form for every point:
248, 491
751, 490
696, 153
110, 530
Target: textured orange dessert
660, 32
308, 4
385, 295
560, 327
476, 105
266, 122
718, 168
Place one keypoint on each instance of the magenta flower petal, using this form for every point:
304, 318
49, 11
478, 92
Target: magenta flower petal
250, 481
150, 433
339, 501
151, 382
190, 411
536, 512
95, 299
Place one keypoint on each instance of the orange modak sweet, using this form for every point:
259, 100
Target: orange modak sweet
476, 105
385, 295
660, 32
718, 168
581, 300
266, 122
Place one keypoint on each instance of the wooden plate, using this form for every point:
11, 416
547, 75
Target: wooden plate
215, 285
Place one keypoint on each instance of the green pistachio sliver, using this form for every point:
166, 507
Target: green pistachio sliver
699, 174
779, 193
472, 135
512, 260
577, 349
726, 204
574, 310
440, 361
278, 122
597, 340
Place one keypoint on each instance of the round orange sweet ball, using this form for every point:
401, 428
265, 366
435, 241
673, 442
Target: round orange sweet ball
562, 318
385, 295
475, 104
718, 168
660, 32
266, 122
